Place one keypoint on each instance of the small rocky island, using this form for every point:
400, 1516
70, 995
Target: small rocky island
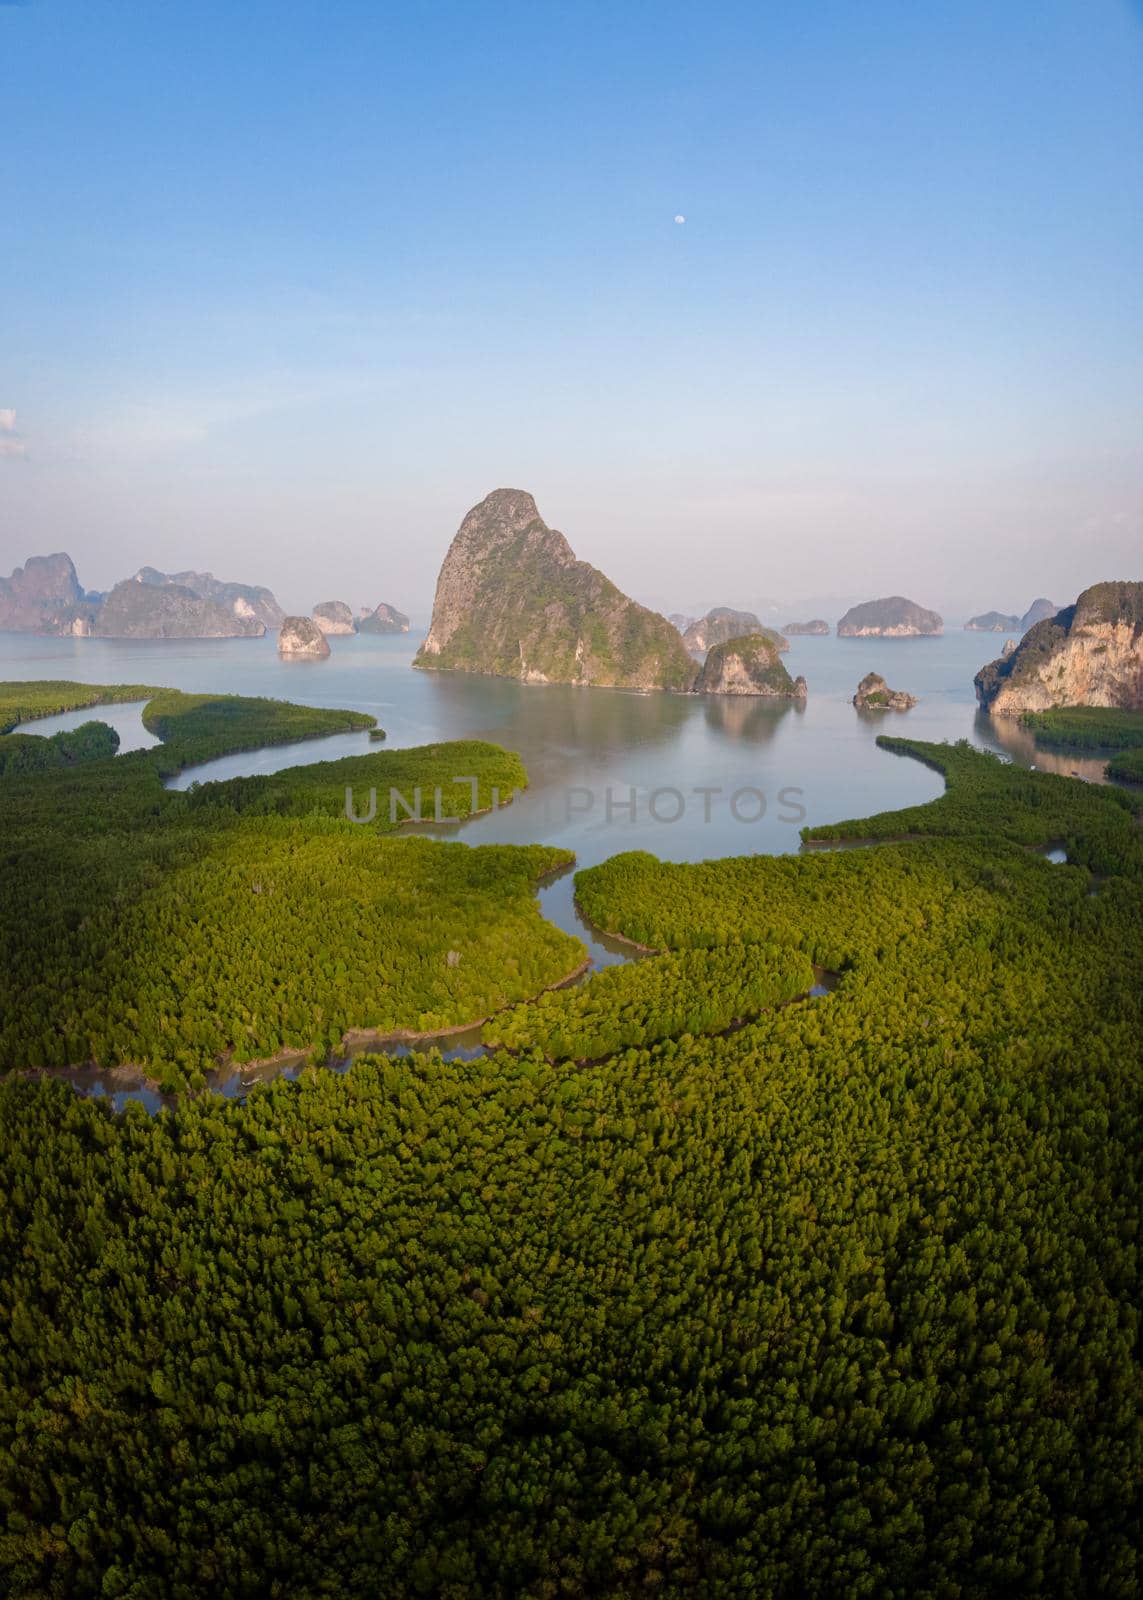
749, 665
816, 626
1009, 622
301, 638
891, 618
723, 624
874, 694
1089, 654
334, 617
383, 619
992, 622
512, 600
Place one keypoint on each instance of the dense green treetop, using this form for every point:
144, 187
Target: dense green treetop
688, 992
1086, 727
987, 798
27, 752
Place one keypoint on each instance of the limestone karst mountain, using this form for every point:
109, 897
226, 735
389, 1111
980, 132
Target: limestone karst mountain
748, 665
302, 638
334, 617
1009, 622
45, 596
1089, 654
1037, 612
136, 609
512, 600
816, 626
874, 694
992, 622
724, 623
383, 619
248, 602
36, 596
894, 617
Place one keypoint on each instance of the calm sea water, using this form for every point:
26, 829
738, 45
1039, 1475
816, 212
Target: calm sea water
609, 770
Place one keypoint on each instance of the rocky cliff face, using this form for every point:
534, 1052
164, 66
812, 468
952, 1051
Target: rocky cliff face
383, 619
248, 602
1089, 654
891, 618
749, 665
44, 596
512, 600
722, 624
301, 636
335, 617
44, 589
874, 694
817, 626
136, 609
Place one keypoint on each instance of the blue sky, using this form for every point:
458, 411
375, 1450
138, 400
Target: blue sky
285, 288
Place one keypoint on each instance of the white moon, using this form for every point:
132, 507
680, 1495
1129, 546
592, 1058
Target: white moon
680, 219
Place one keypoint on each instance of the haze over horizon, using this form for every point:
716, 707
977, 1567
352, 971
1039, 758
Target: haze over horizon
284, 298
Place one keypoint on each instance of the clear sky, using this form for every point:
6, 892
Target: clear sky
286, 287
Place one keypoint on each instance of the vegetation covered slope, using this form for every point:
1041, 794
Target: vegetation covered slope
512, 600
748, 665
723, 624
843, 1303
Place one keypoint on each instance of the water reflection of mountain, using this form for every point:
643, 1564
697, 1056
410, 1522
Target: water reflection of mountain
530, 718
747, 716
1007, 737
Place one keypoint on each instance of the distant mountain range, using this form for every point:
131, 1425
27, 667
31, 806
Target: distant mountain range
1006, 622
45, 596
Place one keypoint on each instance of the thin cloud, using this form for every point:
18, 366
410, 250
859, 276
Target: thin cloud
12, 447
